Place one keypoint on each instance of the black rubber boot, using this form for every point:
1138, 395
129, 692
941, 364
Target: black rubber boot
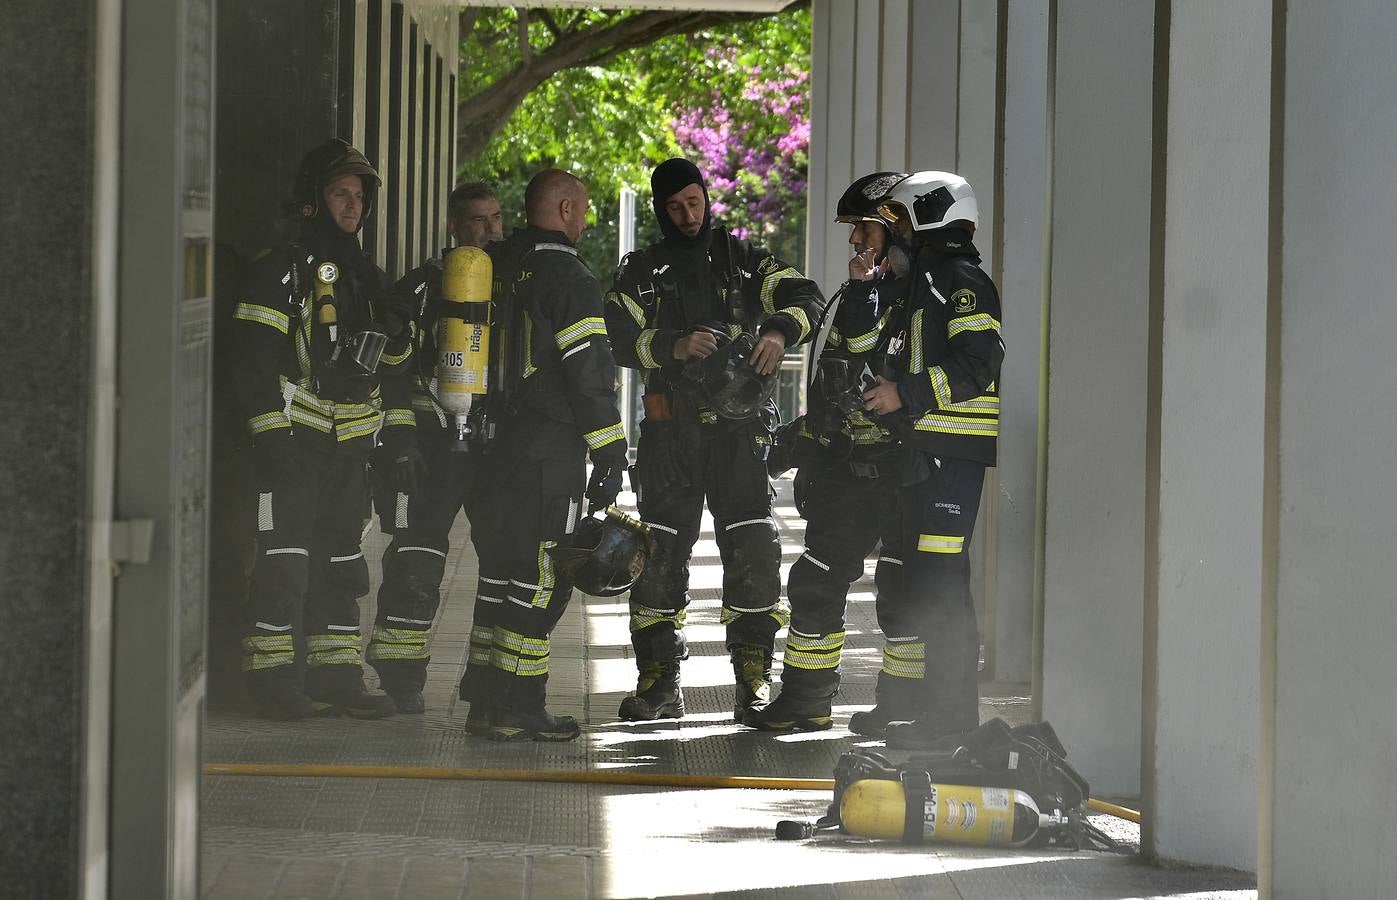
873, 722
277, 695
408, 702
792, 711
751, 672
929, 733
537, 725
657, 694
338, 690
478, 719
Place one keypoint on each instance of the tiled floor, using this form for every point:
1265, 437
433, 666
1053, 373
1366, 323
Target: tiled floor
318, 837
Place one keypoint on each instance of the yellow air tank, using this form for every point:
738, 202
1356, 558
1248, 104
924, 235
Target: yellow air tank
463, 334
876, 808
326, 274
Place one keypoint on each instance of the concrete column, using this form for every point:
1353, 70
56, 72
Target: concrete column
1329, 722
1009, 630
1203, 706
60, 127
1093, 576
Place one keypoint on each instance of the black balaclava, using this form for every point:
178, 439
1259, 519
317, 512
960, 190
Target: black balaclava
669, 178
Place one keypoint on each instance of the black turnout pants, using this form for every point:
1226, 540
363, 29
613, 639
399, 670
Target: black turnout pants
725, 465
851, 506
415, 561
309, 566
925, 610
526, 504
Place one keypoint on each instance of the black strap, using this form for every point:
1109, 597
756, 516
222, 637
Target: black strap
916, 791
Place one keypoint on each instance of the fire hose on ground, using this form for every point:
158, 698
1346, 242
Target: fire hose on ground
592, 776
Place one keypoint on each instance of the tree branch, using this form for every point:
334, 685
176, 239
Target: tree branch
483, 114
526, 53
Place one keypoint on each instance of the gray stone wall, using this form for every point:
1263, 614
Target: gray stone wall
46, 125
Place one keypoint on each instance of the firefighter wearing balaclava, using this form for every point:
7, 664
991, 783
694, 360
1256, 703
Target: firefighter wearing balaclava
694, 296
848, 468
940, 387
323, 364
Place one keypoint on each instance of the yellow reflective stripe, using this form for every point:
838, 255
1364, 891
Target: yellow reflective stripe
940, 386
915, 363
795, 312
546, 581
904, 659
985, 403
977, 322
348, 431
625, 302
707, 417
864, 342
302, 417
398, 643
396, 359
399, 417
263, 315
769, 283
577, 331
604, 436
645, 616
267, 651
959, 425
817, 652
268, 422
940, 543
644, 348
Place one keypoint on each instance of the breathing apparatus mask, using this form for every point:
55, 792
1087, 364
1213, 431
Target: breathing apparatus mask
725, 381
607, 554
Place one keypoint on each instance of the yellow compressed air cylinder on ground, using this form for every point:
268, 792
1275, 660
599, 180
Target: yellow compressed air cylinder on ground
463, 330
964, 814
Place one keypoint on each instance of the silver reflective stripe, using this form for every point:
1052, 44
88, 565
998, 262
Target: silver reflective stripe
889, 559
335, 559
750, 522
493, 580
266, 626
666, 528
400, 512
408, 621
810, 559
264, 511
341, 627
572, 516
278, 551
561, 248
423, 550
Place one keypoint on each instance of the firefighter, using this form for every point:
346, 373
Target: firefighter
424, 480
555, 404
939, 385
849, 468
675, 305
324, 351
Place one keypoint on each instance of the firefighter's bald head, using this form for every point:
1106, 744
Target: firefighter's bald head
557, 201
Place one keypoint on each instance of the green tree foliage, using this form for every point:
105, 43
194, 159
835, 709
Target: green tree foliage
622, 87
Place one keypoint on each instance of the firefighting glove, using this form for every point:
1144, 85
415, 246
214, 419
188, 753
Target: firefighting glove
663, 463
605, 483
396, 312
